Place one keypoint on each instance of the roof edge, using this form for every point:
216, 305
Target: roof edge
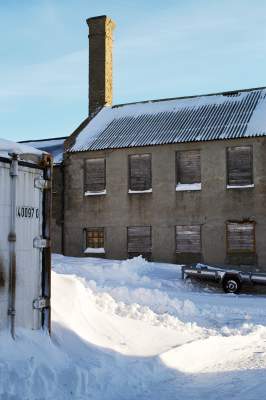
69, 142
42, 140
226, 93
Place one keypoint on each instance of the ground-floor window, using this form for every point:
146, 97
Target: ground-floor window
94, 241
241, 245
240, 242
240, 237
188, 239
188, 243
139, 241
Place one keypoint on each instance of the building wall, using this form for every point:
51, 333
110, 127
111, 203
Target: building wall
164, 207
57, 209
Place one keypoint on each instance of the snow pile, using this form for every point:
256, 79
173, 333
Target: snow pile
7, 147
134, 330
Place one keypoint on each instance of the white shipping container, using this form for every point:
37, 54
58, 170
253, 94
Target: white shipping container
25, 258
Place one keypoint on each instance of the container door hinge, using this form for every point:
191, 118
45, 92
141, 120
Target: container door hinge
42, 184
40, 303
41, 243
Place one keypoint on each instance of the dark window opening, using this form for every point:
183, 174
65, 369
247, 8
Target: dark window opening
241, 237
140, 172
239, 166
188, 167
94, 175
188, 239
139, 241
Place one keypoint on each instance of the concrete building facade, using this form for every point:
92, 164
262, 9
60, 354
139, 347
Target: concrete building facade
177, 180
164, 208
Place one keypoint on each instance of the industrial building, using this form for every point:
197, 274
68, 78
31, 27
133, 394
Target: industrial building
178, 180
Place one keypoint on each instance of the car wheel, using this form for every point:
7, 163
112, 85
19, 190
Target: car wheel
231, 284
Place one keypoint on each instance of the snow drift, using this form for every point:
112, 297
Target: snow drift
134, 330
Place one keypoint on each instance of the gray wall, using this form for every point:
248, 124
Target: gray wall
57, 209
164, 207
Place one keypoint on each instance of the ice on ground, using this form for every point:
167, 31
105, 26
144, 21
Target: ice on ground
134, 330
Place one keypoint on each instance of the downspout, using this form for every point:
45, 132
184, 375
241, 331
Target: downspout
63, 208
12, 244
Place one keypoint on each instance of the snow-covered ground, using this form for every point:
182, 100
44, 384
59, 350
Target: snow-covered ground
134, 330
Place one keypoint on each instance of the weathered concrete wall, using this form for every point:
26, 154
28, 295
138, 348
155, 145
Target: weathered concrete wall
164, 207
57, 209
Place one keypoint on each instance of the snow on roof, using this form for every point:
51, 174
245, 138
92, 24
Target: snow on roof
199, 118
8, 147
54, 146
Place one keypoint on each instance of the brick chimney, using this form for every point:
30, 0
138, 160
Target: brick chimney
100, 62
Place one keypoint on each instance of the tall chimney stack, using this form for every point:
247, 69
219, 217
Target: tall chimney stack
100, 62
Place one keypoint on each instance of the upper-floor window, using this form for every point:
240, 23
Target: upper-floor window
139, 241
239, 167
95, 182
140, 173
188, 170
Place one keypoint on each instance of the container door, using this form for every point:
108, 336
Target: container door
29, 219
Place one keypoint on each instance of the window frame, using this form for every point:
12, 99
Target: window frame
240, 251
186, 186
144, 254
133, 191
90, 192
200, 233
238, 186
86, 231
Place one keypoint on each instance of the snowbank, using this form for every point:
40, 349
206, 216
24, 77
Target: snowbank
134, 330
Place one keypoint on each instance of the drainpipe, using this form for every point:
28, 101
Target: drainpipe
62, 216
12, 244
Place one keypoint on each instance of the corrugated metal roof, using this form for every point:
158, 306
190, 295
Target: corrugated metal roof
199, 118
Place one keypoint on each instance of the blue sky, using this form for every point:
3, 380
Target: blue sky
162, 48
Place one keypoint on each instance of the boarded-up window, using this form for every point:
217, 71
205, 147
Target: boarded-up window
188, 239
95, 238
94, 175
241, 237
239, 166
140, 172
139, 240
188, 169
